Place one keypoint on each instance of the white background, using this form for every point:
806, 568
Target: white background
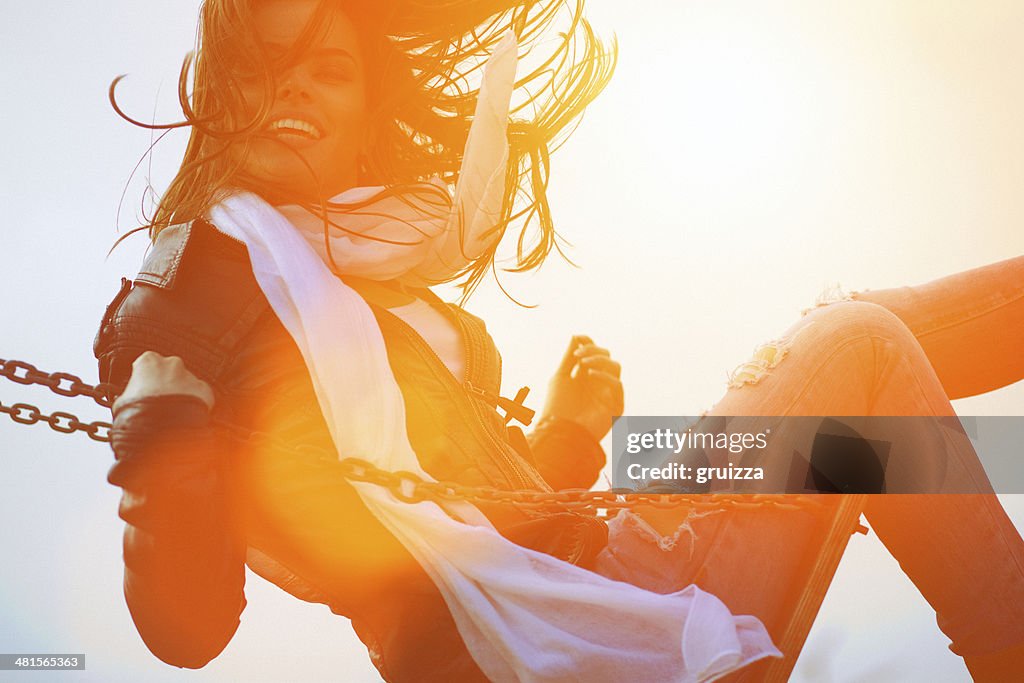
745, 156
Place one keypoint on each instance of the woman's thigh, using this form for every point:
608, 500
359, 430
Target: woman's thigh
969, 324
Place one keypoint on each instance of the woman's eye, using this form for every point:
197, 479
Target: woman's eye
334, 72
245, 71
250, 76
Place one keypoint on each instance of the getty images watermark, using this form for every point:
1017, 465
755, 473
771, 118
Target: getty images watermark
663, 440
823, 454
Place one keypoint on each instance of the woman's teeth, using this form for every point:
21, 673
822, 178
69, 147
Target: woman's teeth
296, 126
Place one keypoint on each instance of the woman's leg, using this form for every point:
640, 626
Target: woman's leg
960, 550
856, 358
970, 325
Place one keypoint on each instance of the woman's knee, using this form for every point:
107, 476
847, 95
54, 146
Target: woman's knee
850, 319
846, 323
875, 338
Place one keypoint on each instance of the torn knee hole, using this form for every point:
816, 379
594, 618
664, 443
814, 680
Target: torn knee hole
667, 543
765, 358
831, 294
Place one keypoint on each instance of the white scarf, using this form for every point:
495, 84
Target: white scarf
428, 241
524, 615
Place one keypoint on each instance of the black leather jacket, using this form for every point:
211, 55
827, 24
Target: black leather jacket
200, 505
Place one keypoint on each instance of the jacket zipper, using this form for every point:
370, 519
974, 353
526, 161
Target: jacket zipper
524, 479
514, 408
512, 470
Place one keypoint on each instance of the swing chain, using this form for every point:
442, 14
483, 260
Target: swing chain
405, 486
409, 487
65, 423
61, 383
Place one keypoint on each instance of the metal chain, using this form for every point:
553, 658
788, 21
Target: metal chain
65, 423
62, 383
405, 486
409, 487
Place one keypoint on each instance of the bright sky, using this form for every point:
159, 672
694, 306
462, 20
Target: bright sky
745, 156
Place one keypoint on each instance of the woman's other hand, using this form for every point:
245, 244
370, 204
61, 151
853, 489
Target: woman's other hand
156, 375
586, 388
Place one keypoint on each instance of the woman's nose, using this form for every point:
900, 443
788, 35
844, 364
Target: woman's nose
293, 86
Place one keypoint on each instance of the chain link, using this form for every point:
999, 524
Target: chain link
62, 383
65, 423
411, 488
405, 486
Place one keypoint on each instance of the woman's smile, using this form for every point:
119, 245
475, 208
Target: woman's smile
296, 130
286, 128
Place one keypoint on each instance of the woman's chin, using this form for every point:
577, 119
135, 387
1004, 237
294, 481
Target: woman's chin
290, 181
279, 189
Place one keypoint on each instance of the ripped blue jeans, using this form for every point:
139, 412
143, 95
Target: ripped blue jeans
904, 351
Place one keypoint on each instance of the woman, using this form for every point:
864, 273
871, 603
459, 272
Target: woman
298, 102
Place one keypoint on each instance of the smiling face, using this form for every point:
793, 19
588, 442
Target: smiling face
318, 116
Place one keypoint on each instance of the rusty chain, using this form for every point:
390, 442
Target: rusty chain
65, 423
405, 486
61, 383
411, 488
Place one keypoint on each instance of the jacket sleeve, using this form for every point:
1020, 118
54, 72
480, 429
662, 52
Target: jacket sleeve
566, 454
183, 558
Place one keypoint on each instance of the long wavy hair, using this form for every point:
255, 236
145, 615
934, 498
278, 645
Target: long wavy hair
421, 57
